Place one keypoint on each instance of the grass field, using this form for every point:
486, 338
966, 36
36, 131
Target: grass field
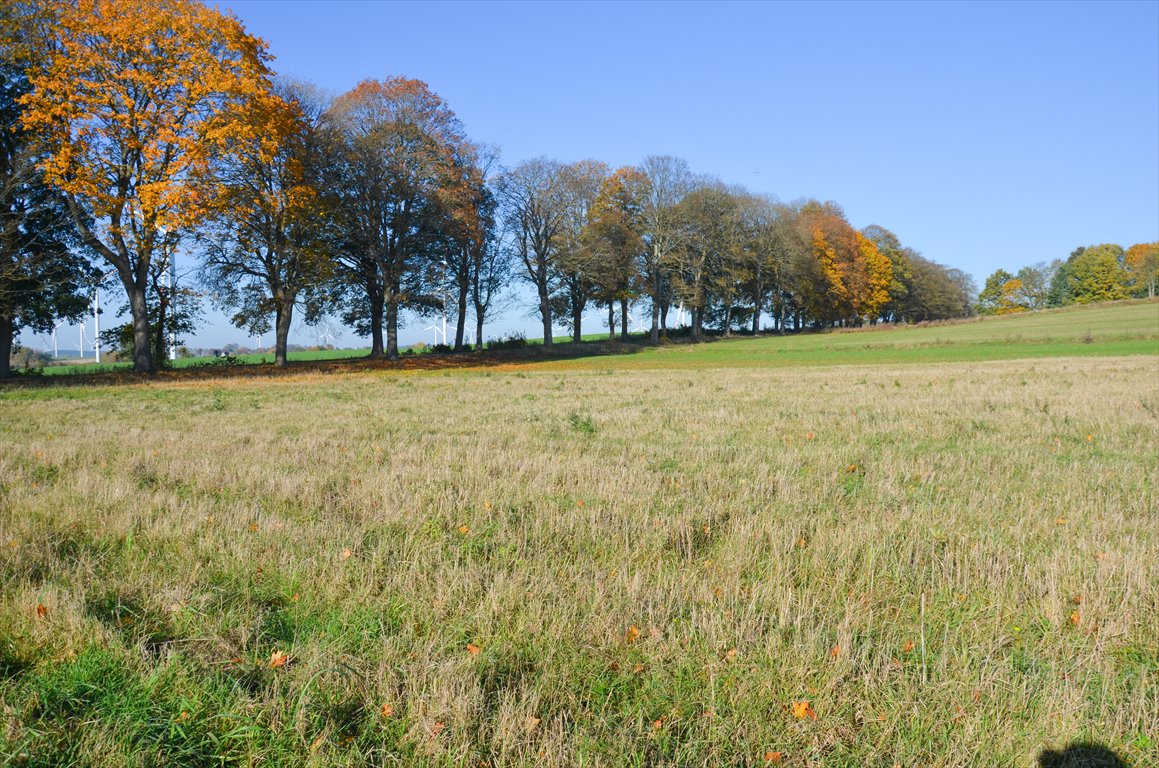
917, 547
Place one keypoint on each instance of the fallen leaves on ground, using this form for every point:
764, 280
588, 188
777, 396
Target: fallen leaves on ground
803, 709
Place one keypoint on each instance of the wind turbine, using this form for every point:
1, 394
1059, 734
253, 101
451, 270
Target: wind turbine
97, 323
586, 317
169, 264
55, 351
326, 333
637, 326
435, 327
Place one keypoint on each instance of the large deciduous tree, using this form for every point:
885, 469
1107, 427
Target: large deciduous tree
668, 181
132, 102
889, 246
43, 276
826, 288
400, 170
1033, 285
706, 242
1142, 262
576, 261
468, 225
997, 294
267, 249
932, 291
1097, 274
614, 237
533, 222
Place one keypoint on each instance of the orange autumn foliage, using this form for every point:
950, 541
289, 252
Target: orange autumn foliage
803, 709
131, 105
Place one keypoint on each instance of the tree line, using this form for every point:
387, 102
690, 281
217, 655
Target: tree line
1106, 272
132, 130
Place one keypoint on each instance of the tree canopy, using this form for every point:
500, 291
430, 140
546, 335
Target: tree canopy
133, 131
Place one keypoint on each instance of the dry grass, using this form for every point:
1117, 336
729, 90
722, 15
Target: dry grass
650, 567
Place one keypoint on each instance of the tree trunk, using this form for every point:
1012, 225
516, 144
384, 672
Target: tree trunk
133, 280
611, 321
461, 323
654, 332
756, 317
478, 329
545, 313
695, 323
142, 350
376, 347
728, 321
282, 317
664, 320
624, 319
392, 328
159, 357
7, 331
577, 317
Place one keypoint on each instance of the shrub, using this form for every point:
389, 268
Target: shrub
513, 341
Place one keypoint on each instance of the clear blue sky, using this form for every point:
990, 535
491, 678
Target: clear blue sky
984, 134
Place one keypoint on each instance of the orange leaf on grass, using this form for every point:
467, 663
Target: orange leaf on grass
464, 529
836, 651
803, 709
41, 610
278, 659
632, 634
473, 649
772, 756
346, 553
909, 646
387, 710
